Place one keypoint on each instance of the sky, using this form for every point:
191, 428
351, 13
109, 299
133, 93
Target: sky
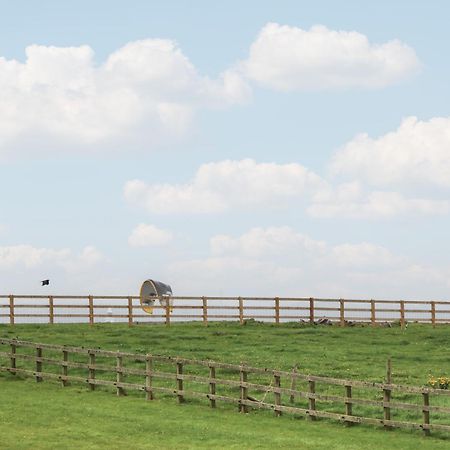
262, 148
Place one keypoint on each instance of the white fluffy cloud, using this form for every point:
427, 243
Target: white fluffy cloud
289, 58
221, 186
418, 152
147, 88
145, 235
350, 200
31, 257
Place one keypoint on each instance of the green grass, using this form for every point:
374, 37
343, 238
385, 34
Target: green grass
94, 420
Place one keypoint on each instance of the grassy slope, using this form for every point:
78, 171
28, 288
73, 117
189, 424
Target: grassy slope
96, 419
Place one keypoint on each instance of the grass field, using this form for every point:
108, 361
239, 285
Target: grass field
47, 416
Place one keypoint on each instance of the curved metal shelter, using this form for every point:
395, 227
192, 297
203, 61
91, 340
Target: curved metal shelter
152, 290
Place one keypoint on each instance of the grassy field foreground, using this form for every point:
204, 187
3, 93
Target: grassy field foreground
46, 416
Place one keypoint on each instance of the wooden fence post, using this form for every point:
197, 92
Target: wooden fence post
50, 310
91, 310
387, 393
311, 400
130, 311
311, 310
426, 413
241, 311
277, 310
167, 313
180, 382
38, 364
148, 377
11, 309
64, 368
348, 402
433, 314
373, 320
205, 311
119, 376
277, 393
13, 358
243, 390
92, 371
342, 312
293, 383
402, 314
212, 386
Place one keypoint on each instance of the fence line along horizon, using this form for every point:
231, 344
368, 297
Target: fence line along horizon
15, 309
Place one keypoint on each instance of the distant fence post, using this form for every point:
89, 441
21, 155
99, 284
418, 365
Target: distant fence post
38, 364
277, 386
91, 310
241, 310
311, 310
212, 386
426, 413
243, 389
342, 312
387, 393
372, 313
277, 310
180, 382
433, 314
50, 310
148, 377
130, 311
205, 310
402, 314
167, 313
11, 309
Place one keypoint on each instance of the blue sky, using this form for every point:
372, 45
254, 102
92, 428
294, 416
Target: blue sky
215, 147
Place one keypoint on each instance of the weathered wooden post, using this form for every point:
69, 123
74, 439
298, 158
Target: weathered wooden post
311, 310
243, 389
212, 386
277, 310
277, 393
50, 310
148, 377
91, 310
38, 364
119, 376
180, 382
342, 312
130, 311
426, 413
91, 370
205, 310
11, 309
387, 393
241, 311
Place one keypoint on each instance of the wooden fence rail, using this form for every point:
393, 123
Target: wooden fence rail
183, 378
93, 309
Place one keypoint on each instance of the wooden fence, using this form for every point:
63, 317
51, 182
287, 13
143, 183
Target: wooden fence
59, 308
380, 403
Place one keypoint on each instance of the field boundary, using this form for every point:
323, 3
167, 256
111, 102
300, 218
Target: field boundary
344, 312
29, 358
